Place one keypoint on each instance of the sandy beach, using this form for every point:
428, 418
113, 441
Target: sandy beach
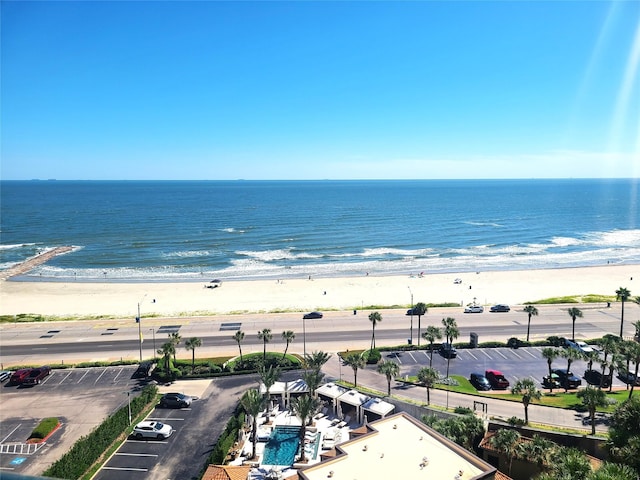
77, 299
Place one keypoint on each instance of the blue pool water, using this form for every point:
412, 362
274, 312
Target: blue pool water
282, 446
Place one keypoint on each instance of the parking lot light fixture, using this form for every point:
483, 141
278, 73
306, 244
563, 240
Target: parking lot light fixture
139, 322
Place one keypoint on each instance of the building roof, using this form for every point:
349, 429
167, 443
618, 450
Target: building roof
399, 446
226, 472
331, 390
353, 397
279, 388
378, 406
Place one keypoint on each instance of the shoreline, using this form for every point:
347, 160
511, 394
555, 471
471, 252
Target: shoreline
170, 299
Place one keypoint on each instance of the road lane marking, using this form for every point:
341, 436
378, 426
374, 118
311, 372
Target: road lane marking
123, 469
137, 454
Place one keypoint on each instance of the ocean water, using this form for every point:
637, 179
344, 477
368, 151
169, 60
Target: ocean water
178, 230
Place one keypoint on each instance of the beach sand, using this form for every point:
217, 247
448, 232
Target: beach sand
78, 299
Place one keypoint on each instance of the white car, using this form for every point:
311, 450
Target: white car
474, 309
580, 346
149, 429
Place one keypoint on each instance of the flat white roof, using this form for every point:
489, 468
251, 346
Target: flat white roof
399, 447
331, 390
378, 406
353, 397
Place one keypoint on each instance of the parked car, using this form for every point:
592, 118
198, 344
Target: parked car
474, 309
567, 379
37, 375
628, 378
551, 381
447, 351
579, 345
501, 307
150, 429
175, 400
497, 379
312, 315
595, 377
18, 376
414, 311
479, 381
144, 370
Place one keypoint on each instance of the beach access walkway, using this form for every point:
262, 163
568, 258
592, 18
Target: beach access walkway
33, 262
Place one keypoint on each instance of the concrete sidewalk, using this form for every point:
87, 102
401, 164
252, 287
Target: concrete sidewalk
499, 409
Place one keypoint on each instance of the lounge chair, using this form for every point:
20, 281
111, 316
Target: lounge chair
345, 422
321, 414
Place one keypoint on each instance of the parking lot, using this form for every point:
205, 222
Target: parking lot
517, 363
82, 398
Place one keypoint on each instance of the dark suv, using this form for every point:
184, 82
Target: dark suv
479, 381
447, 351
175, 400
594, 377
144, 370
567, 379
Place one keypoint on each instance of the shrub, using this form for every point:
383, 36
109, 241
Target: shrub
44, 428
515, 421
463, 410
373, 356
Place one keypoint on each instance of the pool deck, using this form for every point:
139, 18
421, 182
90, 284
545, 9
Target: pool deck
324, 433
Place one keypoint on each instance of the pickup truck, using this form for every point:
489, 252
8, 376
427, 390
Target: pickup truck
36, 375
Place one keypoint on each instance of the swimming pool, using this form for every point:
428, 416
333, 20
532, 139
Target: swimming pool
282, 446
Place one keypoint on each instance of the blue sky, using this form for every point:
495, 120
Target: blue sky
315, 90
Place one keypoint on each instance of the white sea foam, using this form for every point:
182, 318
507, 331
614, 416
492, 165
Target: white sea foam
17, 245
187, 254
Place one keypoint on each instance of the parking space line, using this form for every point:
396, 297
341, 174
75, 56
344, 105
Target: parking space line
117, 375
474, 357
9, 434
532, 355
397, 358
100, 376
162, 419
67, 376
485, 352
500, 353
85, 374
412, 357
425, 354
123, 469
137, 454
514, 353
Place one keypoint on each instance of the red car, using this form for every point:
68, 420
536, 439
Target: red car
18, 376
36, 375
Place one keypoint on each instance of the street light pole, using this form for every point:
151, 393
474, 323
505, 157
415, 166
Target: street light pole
411, 337
139, 321
153, 332
304, 338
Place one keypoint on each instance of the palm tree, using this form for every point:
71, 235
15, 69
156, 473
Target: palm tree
304, 407
167, 350
527, 388
313, 379
175, 339
316, 360
623, 295
427, 376
355, 361
550, 354
390, 370
609, 346
374, 318
634, 350
571, 355
268, 377
613, 471
531, 311
625, 350
431, 334
451, 332
592, 398
506, 441
288, 337
265, 336
419, 309
538, 450
192, 344
574, 313
238, 337
253, 403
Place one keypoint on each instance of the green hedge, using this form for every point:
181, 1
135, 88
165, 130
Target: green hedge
44, 428
88, 450
227, 438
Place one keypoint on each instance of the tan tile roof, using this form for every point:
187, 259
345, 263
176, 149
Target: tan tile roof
226, 472
501, 476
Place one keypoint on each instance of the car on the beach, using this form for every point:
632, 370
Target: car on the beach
567, 379
18, 376
312, 315
175, 400
474, 309
501, 307
37, 375
479, 381
497, 379
151, 429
